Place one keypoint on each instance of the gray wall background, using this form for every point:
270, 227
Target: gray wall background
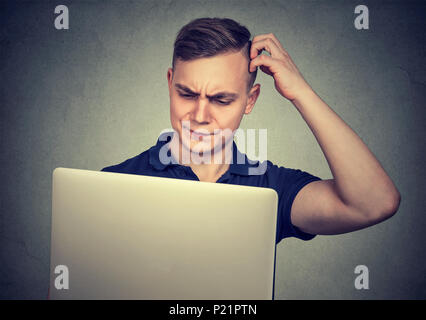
96, 94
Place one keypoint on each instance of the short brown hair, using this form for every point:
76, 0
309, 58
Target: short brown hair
207, 37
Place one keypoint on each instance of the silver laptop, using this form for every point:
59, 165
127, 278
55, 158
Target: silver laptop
124, 236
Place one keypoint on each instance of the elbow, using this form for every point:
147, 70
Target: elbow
391, 205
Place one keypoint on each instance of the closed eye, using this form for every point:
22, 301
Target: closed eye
223, 102
191, 97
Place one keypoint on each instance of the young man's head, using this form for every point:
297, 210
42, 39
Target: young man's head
210, 85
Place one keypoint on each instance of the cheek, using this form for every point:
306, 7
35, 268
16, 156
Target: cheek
176, 109
231, 118
179, 111
174, 115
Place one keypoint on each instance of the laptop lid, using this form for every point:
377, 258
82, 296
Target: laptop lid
123, 236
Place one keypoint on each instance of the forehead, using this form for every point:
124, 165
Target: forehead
224, 71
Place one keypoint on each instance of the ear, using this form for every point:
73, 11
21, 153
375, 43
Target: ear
169, 78
252, 97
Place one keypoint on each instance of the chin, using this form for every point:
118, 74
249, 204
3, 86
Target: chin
200, 146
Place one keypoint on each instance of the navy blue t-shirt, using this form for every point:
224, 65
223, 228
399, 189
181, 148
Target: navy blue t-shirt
286, 182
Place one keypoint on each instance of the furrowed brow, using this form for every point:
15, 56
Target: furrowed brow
224, 95
185, 89
219, 95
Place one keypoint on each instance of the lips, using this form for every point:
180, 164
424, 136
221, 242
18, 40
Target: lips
197, 133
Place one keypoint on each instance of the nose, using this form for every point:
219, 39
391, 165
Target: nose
201, 113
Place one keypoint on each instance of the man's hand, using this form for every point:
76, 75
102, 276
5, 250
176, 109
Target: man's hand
288, 80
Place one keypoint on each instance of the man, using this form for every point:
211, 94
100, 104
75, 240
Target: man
211, 87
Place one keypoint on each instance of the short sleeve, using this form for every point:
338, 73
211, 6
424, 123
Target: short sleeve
288, 182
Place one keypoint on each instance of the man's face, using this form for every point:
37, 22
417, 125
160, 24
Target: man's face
209, 95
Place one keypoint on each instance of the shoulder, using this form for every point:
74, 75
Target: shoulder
280, 177
135, 165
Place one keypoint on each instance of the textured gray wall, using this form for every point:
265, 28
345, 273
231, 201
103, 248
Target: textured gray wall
96, 94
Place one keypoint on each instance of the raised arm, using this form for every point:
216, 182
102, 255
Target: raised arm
361, 193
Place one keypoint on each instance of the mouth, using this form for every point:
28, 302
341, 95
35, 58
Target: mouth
200, 133
197, 134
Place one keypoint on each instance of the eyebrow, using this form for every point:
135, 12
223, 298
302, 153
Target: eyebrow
219, 95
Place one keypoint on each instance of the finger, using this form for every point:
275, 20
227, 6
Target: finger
263, 60
270, 36
265, 44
